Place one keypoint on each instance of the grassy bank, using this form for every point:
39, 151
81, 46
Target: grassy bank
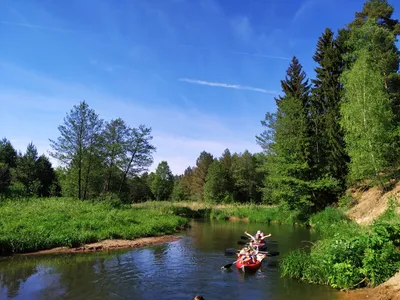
248, 212
348, 255
28, 225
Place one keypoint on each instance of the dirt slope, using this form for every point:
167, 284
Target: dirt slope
389, 290
371, 204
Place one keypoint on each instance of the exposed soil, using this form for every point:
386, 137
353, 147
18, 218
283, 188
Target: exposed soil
370, 204
110, 245
389, 290
238, 219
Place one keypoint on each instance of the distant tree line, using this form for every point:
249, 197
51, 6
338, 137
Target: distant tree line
338, 129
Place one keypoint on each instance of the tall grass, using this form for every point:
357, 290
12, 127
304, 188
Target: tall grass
250, 212
35, 224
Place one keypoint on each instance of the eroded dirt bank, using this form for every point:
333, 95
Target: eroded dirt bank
370, 204
110, 245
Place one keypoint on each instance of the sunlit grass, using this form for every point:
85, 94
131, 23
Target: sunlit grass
248, 212
36, 224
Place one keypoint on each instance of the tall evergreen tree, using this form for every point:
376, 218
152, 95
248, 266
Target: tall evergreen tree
215, 188
199, 176
287, 141
163, 182
47, 178
8, 155
328, 155
247, 180
26, 171
8, 160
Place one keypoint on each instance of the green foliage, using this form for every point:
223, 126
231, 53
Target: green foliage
328, 156
348, 256
163, 182
216, 186
5, 177
346, 201
367, 120
198, 178
36, 224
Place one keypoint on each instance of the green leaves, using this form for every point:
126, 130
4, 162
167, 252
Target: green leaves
367, 119
163, 182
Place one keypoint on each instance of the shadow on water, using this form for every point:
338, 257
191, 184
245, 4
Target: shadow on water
177, 270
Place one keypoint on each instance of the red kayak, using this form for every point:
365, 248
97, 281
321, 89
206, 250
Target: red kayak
248, 266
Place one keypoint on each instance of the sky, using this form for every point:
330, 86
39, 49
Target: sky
201, 73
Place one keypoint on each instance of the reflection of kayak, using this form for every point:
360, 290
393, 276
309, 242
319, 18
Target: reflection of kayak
249, 266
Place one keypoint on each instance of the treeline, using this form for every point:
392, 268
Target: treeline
110, 160
342, 127
26, 174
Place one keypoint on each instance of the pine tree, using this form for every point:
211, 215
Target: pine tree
328, 154
26, 170
199, 176
288, 143
215, 188
163, 182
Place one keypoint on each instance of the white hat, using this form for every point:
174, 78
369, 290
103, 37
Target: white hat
258, 231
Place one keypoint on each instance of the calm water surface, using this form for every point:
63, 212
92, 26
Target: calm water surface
177, 270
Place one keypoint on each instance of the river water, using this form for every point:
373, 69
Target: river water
178, 270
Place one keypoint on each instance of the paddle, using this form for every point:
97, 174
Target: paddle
232, 251
228, 265
266, 241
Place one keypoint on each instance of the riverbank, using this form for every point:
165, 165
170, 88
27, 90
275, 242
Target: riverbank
233, 212
389, 290
359, 248
31, 225
109, 245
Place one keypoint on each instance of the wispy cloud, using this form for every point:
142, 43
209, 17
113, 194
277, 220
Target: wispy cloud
226, 85
305, 6
263, 55
235, 52
17, 14
34, 26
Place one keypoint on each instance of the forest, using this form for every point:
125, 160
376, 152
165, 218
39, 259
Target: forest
338, 129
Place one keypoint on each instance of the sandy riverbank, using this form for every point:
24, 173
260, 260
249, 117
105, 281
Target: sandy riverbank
107, 245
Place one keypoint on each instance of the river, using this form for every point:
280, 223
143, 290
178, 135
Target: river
178, 270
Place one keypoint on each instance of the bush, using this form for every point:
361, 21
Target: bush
349, 255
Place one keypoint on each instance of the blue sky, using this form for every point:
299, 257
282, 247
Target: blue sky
201, 73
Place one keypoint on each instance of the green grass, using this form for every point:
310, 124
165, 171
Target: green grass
29, 225
251, 212
348, 255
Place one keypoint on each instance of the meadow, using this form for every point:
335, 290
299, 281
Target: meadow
28, 225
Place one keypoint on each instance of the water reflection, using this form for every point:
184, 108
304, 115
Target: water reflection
177, 270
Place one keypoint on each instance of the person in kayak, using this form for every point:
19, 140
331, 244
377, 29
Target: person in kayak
259, 237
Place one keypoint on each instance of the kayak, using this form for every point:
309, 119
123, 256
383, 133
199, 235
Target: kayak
249, 267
